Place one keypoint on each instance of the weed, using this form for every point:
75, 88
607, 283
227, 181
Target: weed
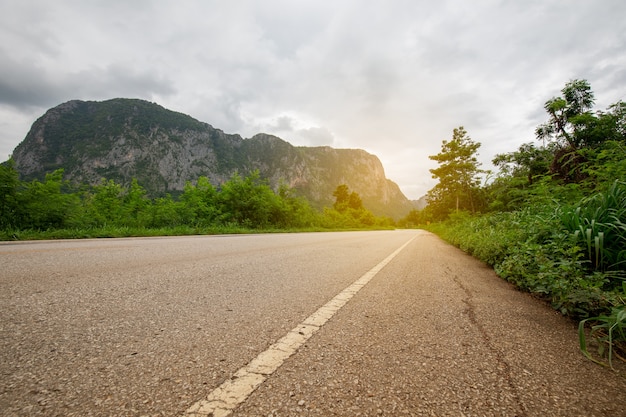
610, 333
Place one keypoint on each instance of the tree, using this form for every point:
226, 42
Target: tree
576, 133
528, 161
135, 205
457, 173
45, 205
249, 201
199, 202
105, 205
415, 218
568, 115
348, 211
165, 212
295, 211
570, 127
9, 187
344, 199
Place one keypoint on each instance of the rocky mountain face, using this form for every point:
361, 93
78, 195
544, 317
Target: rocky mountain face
121, 139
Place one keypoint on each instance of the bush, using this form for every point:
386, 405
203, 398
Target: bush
532, 249
51, 208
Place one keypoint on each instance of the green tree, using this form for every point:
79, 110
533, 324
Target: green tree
165, 212
105, 204
528, 162
9, 189
569, 114
45, 204
607, 163
519, 172
135, 205
348, 211
576, 133
458, 175
249, 201
294, 211
344, 199
199, 202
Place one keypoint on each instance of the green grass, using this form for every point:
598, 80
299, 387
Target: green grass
599, 226
117, 232
109, 232
609, 331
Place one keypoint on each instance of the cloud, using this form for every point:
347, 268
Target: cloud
296, 131
23, 85
394, 77
317, 136
28, 86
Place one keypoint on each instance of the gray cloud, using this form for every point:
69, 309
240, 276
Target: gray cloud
22, 85
394, 78
27, 86
317, 136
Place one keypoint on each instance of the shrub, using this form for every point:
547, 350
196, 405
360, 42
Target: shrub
598, 224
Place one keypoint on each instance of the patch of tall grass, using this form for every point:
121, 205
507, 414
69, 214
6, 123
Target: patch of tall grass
609, 331
599, 226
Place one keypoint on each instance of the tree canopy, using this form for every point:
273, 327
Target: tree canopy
458, 175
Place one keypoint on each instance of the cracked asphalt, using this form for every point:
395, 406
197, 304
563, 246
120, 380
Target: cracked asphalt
147, 327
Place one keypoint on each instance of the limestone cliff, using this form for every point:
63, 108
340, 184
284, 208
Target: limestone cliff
121, 139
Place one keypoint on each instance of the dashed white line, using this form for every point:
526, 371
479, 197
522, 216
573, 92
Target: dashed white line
225, 398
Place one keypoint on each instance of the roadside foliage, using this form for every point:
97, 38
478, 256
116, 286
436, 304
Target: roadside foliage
56, 209
553, 219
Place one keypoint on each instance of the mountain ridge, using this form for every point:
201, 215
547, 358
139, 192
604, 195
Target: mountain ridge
121, 139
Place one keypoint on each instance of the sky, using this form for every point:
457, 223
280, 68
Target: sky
393, 77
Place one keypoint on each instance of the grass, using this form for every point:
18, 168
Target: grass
123, 231
599, 225
609, 331
113, 231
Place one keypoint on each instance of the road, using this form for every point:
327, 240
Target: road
155, 326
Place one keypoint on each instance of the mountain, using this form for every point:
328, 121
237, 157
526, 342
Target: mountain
121, 139
420, 203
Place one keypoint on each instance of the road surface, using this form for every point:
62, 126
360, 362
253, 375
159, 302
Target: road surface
159, 326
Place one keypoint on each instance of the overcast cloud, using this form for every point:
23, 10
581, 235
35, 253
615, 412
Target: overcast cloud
393, 77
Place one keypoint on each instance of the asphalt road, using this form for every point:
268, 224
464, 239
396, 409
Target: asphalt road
149, 327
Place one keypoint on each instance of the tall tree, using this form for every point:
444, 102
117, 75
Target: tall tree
458, 175
344, 199
575, 132
568, 114
9, 186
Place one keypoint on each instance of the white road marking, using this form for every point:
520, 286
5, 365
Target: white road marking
225, 398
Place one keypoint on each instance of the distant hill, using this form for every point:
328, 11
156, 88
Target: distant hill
121, 139
420, 203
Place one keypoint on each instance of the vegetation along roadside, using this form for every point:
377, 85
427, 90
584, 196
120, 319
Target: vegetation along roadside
54, 208
553, 219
